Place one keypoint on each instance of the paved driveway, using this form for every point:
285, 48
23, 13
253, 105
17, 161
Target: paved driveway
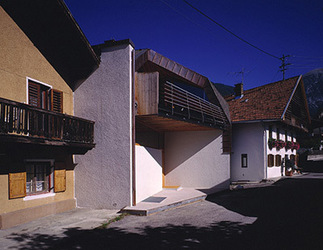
285, 215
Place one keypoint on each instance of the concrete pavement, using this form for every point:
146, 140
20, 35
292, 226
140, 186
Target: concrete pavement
284, 215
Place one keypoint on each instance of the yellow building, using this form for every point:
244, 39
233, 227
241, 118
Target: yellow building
44, 58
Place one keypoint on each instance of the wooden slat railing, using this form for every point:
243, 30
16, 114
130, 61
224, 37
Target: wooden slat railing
22, 119
178, 101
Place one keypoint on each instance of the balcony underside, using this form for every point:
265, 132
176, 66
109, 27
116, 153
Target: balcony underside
161, 123
71, 147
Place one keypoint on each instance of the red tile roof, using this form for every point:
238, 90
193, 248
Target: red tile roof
266, 102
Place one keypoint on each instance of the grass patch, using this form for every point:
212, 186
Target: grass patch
106, 224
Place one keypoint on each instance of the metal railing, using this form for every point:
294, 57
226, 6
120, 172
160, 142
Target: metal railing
22, 119
177, 101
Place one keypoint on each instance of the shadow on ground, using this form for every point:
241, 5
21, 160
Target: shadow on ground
290, 216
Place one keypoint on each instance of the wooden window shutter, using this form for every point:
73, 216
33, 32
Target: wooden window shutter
278, 160
59, 177
59, 180
17, 185
226, 141
270, 160
34, 94
56, 100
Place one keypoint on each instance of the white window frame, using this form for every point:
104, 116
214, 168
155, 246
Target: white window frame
50, 193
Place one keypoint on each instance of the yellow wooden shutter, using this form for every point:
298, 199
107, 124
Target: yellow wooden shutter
56, 100
59, 180
17, 185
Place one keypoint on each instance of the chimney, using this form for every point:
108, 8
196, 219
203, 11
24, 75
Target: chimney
238, 89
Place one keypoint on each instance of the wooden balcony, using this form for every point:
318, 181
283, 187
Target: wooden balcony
175, 101
22, 123
163, 106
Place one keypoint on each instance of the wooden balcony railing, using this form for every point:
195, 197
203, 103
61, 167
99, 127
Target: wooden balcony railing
176, 101
22, 119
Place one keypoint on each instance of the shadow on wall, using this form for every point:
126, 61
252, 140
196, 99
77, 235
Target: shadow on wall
155, 154
184, 145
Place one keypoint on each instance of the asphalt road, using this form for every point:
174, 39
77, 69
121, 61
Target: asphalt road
285, 215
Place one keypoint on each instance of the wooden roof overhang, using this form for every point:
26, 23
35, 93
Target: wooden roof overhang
53, 30
161, 123
148, 60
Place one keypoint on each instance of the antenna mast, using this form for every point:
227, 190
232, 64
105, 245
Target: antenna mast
284, 64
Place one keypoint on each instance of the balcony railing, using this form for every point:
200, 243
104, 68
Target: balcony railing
176, 101
22, 119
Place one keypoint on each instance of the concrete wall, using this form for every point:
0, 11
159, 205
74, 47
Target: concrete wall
21, 59
103, 175
195, 159
248, 139
149, 172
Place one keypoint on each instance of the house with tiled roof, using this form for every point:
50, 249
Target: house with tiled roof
266, 122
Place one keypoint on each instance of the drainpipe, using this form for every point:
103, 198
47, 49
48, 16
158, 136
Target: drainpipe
265, 151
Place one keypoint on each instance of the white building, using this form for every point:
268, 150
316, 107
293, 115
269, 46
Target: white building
157, 124
266, 122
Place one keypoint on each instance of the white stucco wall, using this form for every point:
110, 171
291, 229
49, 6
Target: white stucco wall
275, 171
103, 175
195, 159
149, 178
248, 139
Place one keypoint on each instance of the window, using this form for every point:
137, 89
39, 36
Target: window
43, 96
286, 136
38, 179
244, 160
278, 134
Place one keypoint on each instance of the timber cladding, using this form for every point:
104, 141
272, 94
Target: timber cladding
147, 93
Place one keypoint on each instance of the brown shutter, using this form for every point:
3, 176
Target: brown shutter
59, 180
56, 100
226, 141
278, 160
17, 185
270, 160
34, 94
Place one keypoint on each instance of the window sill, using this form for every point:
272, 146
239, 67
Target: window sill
38, 196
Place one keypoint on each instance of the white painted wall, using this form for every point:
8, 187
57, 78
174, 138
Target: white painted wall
248, 139
195, 159
149, 179
275, 171
103, 175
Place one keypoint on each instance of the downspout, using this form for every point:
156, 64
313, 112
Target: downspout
133, 131
265, 150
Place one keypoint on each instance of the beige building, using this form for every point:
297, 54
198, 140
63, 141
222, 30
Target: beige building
44, 58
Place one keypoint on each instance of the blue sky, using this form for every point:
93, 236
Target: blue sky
175, 30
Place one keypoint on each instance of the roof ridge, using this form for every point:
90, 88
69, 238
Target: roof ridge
271, 83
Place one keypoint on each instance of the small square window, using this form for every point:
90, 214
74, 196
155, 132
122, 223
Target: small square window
244, 160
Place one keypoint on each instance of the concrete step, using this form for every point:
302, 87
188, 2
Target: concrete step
164, 200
